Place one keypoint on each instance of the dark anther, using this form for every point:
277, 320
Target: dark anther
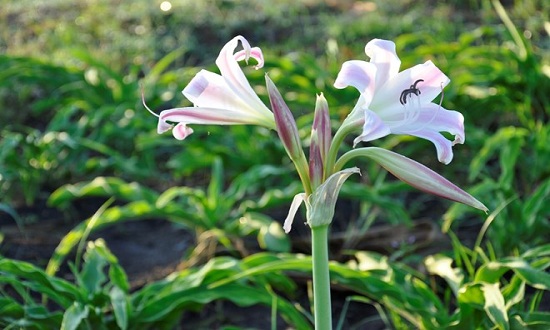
409, 91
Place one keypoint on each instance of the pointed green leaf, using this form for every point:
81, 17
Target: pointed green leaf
73, 316
120, 304
494, 305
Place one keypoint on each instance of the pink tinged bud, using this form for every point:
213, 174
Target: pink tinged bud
320, 141
419, 176
321, 124
284, 121
316, 167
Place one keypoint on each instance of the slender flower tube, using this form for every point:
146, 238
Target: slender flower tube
394, 102
226, 99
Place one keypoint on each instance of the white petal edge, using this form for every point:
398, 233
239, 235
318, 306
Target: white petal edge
443, 146
373, 128
359, 74
433, 82
296, 202
233, 74
382, 54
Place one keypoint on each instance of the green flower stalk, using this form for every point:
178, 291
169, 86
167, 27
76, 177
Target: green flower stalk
320, 197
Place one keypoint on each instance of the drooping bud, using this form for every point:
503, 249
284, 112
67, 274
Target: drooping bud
320, 141
284, 121
418, 175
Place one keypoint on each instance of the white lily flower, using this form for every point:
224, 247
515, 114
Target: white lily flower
226, 99
394, 102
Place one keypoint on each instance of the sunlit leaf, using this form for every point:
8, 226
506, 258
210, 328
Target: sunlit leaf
74, 316
494, 305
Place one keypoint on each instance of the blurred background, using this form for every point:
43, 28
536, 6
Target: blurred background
79, 153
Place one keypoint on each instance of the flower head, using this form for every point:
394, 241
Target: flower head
220, 99
394, 102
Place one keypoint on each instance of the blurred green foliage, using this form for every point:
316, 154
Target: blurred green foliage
72, 123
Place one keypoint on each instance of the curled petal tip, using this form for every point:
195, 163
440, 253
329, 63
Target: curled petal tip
458, 140
163, 127
181, 131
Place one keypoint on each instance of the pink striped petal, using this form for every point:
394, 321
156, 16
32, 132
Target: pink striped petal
232, 73
429, 80
210, 90
382, 54
204, 116
373, 128
429, 122
443, 146
359, 74
433, 117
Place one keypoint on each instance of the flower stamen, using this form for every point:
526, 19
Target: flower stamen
435, 113
409, 91
145, 105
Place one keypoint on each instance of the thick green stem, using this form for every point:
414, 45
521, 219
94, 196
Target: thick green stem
321, 278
